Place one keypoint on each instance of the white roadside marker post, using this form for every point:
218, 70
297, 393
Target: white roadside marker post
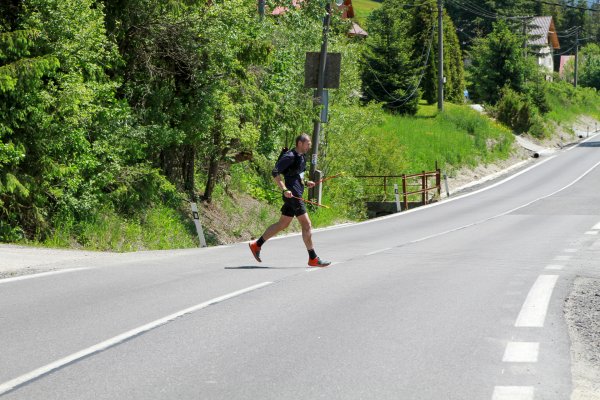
198, 224
397, 197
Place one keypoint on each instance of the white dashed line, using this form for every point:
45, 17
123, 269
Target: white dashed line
570, 250
31, 276
555, 267
12, 384
513, 393
533, 312
597, 226
521, 352
591, 233
378, 251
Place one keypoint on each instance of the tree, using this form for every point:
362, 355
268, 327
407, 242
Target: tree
476, 20
498, 61
590, 66
389, 72
72, 142
424, 29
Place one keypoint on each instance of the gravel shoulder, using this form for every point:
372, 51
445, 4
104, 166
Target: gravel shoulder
582, 313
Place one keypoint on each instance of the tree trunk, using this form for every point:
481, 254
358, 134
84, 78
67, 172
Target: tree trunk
213, 169
188, 168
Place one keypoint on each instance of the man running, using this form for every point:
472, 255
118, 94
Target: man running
292, 166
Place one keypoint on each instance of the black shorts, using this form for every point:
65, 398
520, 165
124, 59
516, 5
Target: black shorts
293, 208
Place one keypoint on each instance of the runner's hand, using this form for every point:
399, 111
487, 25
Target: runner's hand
310, 184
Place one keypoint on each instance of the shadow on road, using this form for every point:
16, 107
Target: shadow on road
262, 267
590, 144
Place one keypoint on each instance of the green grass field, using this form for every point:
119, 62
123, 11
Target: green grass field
459, 136
362, 8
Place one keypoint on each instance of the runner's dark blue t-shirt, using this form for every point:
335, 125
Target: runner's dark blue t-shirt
293, 179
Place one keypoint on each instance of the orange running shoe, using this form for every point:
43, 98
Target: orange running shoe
255, 249
317, 262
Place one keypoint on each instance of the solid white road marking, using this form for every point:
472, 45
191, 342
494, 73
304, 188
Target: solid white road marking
31, 276
513, 393
521, 352
12, 384
555, 267
378, 251
533, 312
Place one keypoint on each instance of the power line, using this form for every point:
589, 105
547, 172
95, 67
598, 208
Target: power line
405, 99
481, 12
565, 5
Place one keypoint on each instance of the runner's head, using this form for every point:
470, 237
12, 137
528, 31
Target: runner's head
303, 143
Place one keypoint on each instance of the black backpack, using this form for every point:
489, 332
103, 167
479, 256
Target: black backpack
294, 168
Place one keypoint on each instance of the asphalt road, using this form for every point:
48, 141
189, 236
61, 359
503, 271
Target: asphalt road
460, 300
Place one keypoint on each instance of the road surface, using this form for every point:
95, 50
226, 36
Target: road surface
459, 300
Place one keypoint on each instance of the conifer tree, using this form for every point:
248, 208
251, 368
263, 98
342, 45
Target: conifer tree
424, 30
389, 72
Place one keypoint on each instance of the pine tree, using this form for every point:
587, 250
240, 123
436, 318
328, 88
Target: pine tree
498, 61
424, 30
22, 68
389, 71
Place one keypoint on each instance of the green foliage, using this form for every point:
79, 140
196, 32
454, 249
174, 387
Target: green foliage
363, 8
590, 66
460, 136
389, 70
567, 102
111, 111
157, 228
67, 145
499, 61
519, 113
424, 28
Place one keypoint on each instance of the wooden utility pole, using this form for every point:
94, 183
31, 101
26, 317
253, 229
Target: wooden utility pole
576, 56
440, 55
314, 174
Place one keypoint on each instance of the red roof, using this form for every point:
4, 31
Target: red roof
279, 10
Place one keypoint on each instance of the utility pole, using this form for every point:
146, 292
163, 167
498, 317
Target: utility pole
440, 55
576, 56
261, 9
525, 38
314, 174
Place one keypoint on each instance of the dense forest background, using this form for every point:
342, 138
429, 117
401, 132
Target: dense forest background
119, 112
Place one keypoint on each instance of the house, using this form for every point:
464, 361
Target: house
542, 38
562, 70
357, 31
347, 13
280, 10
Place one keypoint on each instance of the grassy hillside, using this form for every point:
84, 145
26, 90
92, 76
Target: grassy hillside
460, 136
362, 8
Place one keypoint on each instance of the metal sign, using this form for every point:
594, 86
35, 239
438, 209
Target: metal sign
333, 69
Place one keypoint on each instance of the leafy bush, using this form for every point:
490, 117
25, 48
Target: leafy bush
519, 113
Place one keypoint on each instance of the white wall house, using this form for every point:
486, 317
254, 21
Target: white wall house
543, 40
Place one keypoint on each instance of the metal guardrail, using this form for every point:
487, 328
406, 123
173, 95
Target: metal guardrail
408, 183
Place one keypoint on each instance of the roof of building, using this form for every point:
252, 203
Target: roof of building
356, 30
542, 32
280, 10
